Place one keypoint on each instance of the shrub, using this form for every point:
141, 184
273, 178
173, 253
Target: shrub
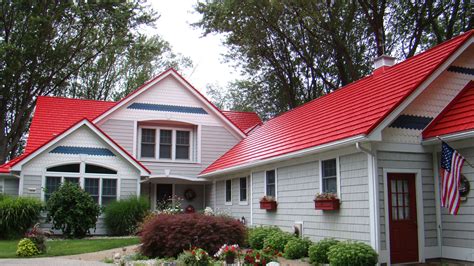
168, 235
17, 215
72, 210
194, 257
38, 237
352, 253
26, 248
297, 248
258, 257
123, 217
318, 252
277, 240
257, 235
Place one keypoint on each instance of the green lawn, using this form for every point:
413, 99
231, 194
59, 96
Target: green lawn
70, 246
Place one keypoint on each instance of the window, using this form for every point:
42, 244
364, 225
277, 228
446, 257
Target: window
52, 184
182, 145
109, 191
329, 176
243, 189
95, 169
91, 186
270, 183
148, 143
65, 168
166, 140
74, 180
173, 144
228, 191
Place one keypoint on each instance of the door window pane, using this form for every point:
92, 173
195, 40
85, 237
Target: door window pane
182, 145
148, 143
270, 181
52, 184
109, 191
91, 186
165, 144
400, 198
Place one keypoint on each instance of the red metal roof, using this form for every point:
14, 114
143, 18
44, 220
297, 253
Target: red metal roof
352, 110
458, 116
245, 121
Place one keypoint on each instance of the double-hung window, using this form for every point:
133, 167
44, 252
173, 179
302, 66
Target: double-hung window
228, 191
270, 183
329, 176
243, 189
166, 144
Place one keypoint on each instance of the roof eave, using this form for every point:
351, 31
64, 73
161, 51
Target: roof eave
287, 156
449, 137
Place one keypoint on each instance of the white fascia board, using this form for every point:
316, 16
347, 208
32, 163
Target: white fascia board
376, 133
449, 137
17, 167
193, 91
288, 156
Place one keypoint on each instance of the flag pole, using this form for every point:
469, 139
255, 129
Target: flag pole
466, 161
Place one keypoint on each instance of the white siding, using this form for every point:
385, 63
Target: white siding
236, 209
198, 202
423, 161
121, 131
32, 186
11, 186
297, 186
128, 188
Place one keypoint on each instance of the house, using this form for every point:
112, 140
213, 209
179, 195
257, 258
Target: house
374, 143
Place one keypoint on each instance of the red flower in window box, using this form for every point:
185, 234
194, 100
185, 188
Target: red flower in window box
268, 203
327, 202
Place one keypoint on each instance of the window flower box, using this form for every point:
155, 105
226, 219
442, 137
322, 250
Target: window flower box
327, 202
268, 203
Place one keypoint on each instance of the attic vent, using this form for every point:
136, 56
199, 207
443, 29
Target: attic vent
383, 62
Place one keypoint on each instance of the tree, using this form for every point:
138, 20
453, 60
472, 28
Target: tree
299, 50
88, 50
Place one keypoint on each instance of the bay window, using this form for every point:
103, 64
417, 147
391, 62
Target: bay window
172, 144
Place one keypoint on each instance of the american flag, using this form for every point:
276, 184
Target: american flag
451, 165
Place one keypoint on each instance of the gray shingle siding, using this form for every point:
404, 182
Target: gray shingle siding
11, 186
33, 182
120, 131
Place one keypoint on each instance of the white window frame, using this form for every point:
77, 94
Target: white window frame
81, 175
245, 202
276, 182
173, 144
338, 174
225, 192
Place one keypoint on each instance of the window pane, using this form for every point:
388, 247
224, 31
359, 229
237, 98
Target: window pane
165, 136
109, 191
68, 168
52, 184
182, 152
95, 169
182, 137
329, 168
148, 150
228, 190
91, 186
165, 151
330, 185
74, 180
243, 189
148, 135
270, 180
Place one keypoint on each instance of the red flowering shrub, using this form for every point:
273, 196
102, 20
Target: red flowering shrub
260, 257
168, 235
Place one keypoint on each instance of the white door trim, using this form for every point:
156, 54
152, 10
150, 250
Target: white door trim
419, 210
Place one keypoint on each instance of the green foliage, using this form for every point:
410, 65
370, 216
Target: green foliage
297, 248
352, 253
17, 214
26, 248
38, 237
257, 235
124, 216
195, 257
318, 252
259, 257
72, 210
277, 240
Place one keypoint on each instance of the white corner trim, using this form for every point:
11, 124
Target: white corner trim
439, 229
419, 210
251, 198
135, 139
292, 155
376, 132
374, 216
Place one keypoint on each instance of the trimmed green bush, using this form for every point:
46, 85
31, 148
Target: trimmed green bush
26, 248
297, 248
72, 210
17, 214
318, 252
352, 253
277, 240
123, 217
257, 235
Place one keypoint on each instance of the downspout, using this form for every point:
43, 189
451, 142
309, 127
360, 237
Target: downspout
373, 197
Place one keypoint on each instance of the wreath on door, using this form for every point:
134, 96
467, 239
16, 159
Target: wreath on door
189, 194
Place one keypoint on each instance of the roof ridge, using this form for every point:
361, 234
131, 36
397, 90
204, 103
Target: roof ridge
76, 99
231, 111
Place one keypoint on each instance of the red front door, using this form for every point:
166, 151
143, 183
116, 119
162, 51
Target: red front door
402, 217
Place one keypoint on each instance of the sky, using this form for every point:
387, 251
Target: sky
205, 52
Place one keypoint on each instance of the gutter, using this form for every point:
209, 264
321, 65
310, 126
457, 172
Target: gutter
449, 137
292, 155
